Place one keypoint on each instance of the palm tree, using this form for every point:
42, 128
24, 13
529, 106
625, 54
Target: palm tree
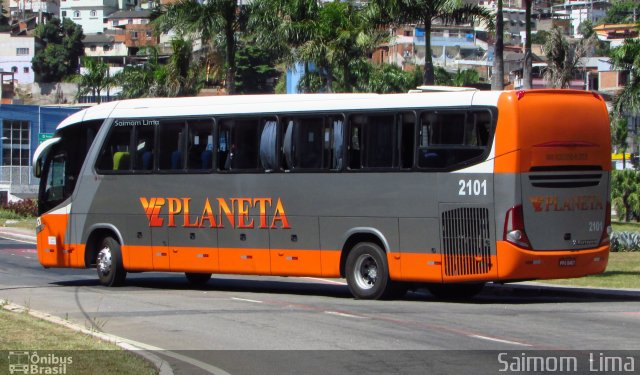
627, 57
284, 26
213, 21
497, 83
563, 58
426, 12
94, 79
527, 78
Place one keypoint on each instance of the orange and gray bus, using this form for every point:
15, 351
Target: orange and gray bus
449, 190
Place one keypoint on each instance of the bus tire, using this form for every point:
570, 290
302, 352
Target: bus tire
455, 292
197, 279
111, 272
367, 272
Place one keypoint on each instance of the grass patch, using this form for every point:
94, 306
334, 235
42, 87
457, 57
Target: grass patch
22, 332
621, 226
623, 271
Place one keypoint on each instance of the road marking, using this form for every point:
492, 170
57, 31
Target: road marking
246, 300
30, 242
345, 315
498, 340
326, 281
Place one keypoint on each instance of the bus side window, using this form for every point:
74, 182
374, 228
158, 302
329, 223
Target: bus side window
407, 139
200, 145
355, 133
115, 153
171, 144
144, 141
451, 139
242, 143
380, 134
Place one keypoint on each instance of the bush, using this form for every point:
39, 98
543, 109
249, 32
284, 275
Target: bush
625, 241
23, 208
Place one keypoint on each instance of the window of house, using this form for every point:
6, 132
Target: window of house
134, 35
14, 69
22, 51
15, 143
64, 12
25, 69
94, 13
92, 47
76, 14
106, 47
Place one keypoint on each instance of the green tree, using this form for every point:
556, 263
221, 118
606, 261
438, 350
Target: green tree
4, 20
466, 77
443, 77
425, 12
340, 44
622, 11
215, 22
255, 73
563, 58
627, 57
94, 80
62, 49
625, 194
388, 78
619, 134
283, 26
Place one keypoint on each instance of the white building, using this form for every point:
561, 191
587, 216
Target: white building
90, 14
582, 10
16, 53
21, 9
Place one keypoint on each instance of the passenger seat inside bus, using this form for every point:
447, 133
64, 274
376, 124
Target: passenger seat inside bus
121, 160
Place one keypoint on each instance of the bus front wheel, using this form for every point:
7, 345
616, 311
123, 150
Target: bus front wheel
197, 279
111, 272
367, 272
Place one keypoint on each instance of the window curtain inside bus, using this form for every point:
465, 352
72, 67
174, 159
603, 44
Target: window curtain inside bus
287, 146
268, 155
337, 144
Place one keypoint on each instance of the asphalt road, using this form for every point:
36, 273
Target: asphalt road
263, 325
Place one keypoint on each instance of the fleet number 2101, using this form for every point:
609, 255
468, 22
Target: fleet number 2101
472, 187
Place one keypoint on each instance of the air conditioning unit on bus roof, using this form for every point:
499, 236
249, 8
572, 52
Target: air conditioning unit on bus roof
426, 88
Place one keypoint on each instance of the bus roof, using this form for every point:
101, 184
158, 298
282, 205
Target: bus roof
249, 104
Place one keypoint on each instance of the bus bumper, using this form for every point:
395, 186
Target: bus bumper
515, 263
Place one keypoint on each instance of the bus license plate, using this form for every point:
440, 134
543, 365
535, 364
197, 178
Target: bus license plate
567, 262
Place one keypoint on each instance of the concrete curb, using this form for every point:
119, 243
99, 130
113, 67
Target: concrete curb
163, 366
541, 287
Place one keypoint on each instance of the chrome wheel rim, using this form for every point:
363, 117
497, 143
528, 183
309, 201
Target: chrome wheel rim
104, 261
365, 272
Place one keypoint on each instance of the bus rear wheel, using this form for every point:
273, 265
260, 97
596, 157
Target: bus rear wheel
111, 272
367, 272
197, 279
455, 292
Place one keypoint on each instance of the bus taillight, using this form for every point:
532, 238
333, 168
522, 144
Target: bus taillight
514, 228
606, 233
